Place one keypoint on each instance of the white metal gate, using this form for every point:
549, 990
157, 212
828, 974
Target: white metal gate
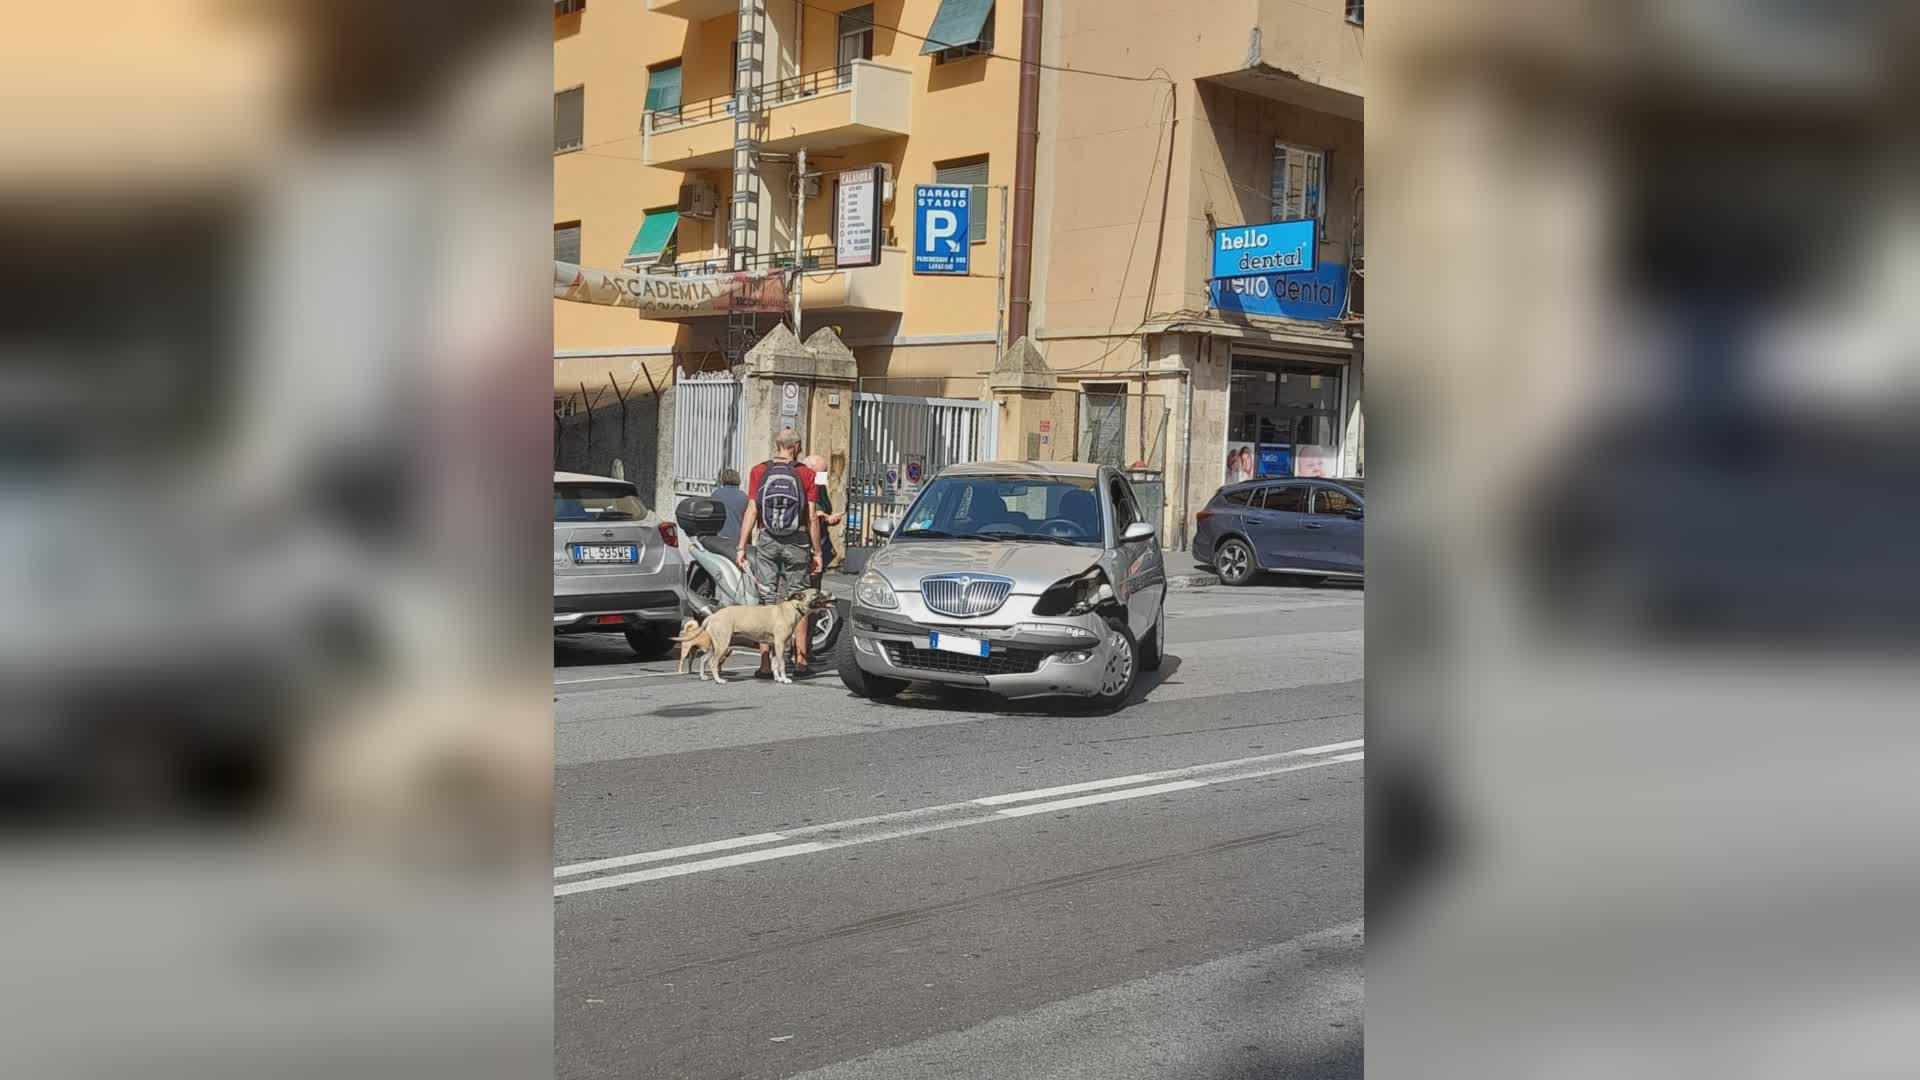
709, 431
900, 443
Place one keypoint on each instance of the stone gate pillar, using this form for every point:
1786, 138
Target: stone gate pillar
1024, 386
808, 387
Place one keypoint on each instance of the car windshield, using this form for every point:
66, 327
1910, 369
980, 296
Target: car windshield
1042, 509
597, 502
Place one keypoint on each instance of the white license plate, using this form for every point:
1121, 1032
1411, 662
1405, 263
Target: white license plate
606, 553
965, 646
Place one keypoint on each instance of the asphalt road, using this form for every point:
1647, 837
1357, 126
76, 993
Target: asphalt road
756, 880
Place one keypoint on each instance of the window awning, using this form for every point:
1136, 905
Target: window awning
656, 231
958, 24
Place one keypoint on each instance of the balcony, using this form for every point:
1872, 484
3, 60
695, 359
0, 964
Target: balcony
693, 10
822, 110
868, 288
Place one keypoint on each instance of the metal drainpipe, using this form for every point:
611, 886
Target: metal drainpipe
1186, 450
1027, 149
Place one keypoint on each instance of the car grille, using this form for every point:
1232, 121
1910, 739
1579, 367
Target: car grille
964, 595
1000, 662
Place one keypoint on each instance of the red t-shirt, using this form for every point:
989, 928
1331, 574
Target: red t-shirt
808, 483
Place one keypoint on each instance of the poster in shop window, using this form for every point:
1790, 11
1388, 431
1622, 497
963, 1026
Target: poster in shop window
1240, 462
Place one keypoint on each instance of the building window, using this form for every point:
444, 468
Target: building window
663, 88
856, 39
566, 242
569, 119
569, 7
1299, 183
961, 28
1356, 12
973, 172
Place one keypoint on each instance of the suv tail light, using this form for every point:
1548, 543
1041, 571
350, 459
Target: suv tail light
1201, 517
669, 534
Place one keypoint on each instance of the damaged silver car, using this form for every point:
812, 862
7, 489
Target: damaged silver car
1023, 579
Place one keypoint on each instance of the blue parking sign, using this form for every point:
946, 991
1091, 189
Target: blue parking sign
942, 225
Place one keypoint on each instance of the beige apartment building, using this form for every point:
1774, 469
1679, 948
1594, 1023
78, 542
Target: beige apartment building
1159, 121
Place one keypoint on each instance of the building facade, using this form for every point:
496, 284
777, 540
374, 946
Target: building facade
644, 171
1159, 124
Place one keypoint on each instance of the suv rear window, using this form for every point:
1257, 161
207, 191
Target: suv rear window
1242, 497
597, 502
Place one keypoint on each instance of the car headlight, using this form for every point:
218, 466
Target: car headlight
873, 591
1076, 595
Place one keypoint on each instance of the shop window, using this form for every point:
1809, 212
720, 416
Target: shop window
1291, 499
1299, 183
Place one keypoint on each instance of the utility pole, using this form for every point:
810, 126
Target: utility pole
799, 232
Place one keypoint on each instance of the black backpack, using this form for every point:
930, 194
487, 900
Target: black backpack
782, 499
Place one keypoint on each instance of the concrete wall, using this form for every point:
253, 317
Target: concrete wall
591, 444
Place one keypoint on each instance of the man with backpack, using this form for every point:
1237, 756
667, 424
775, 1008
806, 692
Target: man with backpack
780, 533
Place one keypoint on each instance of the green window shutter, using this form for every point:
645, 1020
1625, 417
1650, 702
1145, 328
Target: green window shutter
958, 24
975, 174
656, 231
663, 88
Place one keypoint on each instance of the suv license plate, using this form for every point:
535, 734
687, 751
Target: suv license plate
965, 646
605, 553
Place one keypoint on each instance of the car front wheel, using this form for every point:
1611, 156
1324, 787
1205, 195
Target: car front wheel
872, 687
1122, 668
1234, 562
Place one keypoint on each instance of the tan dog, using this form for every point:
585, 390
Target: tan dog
693, 641
761, 624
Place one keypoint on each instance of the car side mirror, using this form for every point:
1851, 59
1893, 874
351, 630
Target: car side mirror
1136, 532
883, 527
1356, 513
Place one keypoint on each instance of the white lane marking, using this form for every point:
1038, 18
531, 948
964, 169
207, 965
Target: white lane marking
1333, 747
1105, 796
959, 815
597, 865
678, 869
1065, 789
614, 678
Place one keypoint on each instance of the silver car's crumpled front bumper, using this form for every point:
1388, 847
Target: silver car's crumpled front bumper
1028, 655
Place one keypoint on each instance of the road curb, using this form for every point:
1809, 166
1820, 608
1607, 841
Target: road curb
1193, 581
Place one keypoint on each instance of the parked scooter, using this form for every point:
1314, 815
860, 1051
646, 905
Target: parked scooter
715, 580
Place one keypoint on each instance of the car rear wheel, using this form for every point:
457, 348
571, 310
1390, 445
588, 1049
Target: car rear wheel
649, 641
1234, 562
872, 687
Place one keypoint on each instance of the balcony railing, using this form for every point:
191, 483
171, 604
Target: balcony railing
812, 259
782, 92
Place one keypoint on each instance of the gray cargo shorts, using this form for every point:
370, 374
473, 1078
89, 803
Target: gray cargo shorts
780, 568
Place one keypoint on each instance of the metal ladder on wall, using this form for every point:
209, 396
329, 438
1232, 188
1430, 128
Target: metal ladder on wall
743, 214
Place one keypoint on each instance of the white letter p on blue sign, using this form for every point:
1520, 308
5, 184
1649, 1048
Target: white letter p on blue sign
941, 225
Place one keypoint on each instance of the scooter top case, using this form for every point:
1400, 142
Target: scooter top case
700, 517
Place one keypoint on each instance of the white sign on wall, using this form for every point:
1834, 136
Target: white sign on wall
856, 218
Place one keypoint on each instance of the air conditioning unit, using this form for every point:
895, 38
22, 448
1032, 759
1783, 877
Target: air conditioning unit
699, 201
813, 186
